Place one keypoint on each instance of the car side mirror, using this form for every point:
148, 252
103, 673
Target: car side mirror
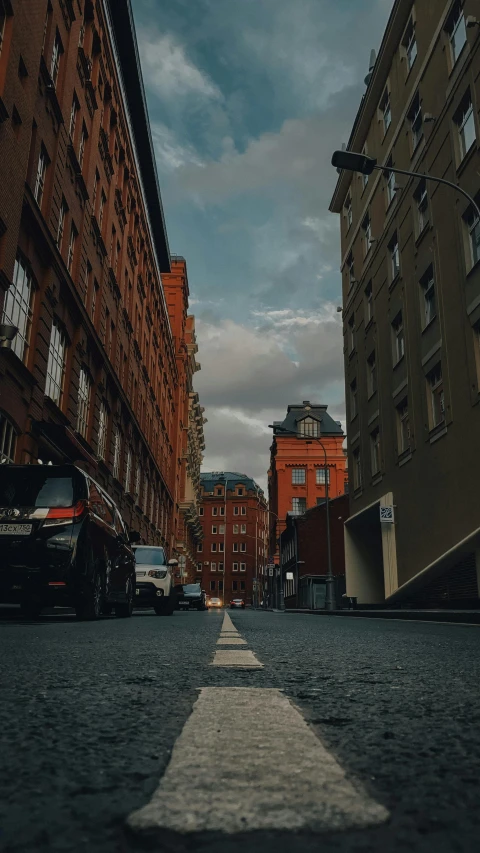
134, 536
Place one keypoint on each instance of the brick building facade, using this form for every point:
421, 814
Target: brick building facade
296, 479
411, 312
232, 558
92, 374
303, 554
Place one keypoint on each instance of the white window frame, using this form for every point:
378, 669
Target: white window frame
386, 110
376, 463
403, 421
394, 251
214, 510
200, 510
243, 567
390, 183
298, 476
243, 547
82, 146
235, 528
18, 307
236, 510
415, 117
55, 376
71, 247
214, 529
435, 382
213, 567
348, 211
102, 432
213, 547
8, 441
235, 548
244, 510
320, 476
368, 303
421, 202
42, 166
57, 51
73, 116
455, 23
472, 225
117, 451
409, 44
429, 302
367, 233
235, 567
372, 384
243, 528
398, 331
299, 506
309, 428
83, 408
464, 120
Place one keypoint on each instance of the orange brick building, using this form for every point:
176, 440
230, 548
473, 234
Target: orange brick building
232, 558
296, 479
93, 374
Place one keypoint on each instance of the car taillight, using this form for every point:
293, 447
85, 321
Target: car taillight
64, 514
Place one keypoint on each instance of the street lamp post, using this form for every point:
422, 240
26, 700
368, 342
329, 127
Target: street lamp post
350, 161
330, 597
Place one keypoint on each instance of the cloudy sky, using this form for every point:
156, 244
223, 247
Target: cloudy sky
247, 100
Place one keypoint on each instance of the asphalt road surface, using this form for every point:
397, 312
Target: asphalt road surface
289, 733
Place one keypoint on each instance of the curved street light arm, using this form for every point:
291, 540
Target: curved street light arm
431, 178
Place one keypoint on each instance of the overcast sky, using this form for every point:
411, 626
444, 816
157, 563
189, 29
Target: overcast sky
247, 100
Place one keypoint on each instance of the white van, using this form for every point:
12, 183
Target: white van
154, 579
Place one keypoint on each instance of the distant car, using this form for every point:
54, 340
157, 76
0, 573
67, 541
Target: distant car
237, 602
154, 584
190, 596
214, 602
63, 541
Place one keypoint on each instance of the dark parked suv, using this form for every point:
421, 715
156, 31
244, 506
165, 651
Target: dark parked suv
62, 541
190, 596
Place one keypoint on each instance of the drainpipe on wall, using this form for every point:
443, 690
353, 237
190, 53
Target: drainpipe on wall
297, 569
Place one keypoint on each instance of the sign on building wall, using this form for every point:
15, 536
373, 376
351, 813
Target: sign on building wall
387, 515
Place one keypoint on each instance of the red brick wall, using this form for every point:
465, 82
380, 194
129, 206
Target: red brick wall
136, 375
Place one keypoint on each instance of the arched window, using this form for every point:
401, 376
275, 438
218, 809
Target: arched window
8, 441
309, 427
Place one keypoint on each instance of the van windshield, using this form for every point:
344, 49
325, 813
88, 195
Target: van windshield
150, 556
36, 487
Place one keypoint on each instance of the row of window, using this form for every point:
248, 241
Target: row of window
220, 510
239, 491
242, 567
436, 417
236, 586
220, 546
237, 528
299, 476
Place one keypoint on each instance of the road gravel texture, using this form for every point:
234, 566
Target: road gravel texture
90, 712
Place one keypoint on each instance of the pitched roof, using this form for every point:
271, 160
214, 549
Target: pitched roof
298, 411
210, 479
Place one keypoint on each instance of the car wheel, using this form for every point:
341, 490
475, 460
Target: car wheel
31, 607
89, 606
125, 609
168, 607
158, 609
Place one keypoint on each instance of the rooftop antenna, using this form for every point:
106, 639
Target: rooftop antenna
373, 59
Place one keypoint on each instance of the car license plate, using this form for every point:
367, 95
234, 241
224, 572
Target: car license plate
15, 529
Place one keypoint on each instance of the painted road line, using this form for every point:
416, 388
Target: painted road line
227, 624
244, 659
285, 780
231, 641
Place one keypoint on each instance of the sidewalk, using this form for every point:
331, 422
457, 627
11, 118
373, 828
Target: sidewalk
470, 617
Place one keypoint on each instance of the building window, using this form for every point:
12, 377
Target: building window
84, 389
472, 226
394, 257
219, 491
215, 510
353, 399
320, 476
437, 397
221, 530
128, 470
71, 247
55, 61
375, 451
56, 364
386, 110
390, 182
243, 568
221, 567
235, 547
117, 449
61, 223
244, 510
81, 147
298, 476
299, 506
243, 547
220, 586
235, 567
138, 483
309, 428
240, 493
222, 510
398, 338
409, 44
213, 586
8, 442
429, 305
18, 307
403, 426
243, 528
214, 529
364, 178
367, 234
415, 119
200, 547
234, 586
421, 203
236, 510
456, 31
213, 567
347, 210
357, 470
214, 546
73, 116
465, 124
368, 303
371, 374
235, 528
350, 271
199, 567
40, 178
200, 510
101, 209
102, 432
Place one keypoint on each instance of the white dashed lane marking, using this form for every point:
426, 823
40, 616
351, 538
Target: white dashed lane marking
229, 636
284, 780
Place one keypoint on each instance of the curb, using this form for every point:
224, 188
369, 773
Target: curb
470, 617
